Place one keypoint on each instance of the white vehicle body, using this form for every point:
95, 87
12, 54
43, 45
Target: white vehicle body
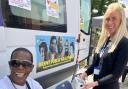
14, 34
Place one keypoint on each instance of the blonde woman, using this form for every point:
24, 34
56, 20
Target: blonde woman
111, 53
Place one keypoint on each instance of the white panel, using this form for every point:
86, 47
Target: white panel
84, 46
73, 16
4, 68
19, 37
24, 37
2, 39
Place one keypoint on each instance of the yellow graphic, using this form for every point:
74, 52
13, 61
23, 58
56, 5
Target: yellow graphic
81, 23
50, 63
54, 6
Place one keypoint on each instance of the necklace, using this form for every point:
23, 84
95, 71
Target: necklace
14, 85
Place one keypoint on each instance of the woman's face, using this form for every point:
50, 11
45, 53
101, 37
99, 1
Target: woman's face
112, 21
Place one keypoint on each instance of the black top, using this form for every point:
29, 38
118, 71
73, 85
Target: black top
112, 66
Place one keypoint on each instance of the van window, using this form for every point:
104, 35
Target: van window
85, 16
47, 15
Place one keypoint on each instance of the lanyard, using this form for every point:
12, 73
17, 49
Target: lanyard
27, 87
105, 48
104, 51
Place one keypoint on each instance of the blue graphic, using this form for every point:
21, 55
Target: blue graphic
68, 45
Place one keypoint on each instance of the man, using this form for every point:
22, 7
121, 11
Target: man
66, 48
43, 51
60, 53
53, 44
21, 64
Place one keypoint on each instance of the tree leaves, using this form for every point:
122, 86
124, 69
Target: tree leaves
101, 6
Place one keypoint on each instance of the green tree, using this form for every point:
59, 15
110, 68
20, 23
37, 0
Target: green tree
100, 6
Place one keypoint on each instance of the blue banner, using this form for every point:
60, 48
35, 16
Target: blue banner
54, 50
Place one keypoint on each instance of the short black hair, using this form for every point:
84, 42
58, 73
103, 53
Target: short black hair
19, 50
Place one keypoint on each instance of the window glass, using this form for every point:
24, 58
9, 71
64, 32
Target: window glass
48, 15
85, 15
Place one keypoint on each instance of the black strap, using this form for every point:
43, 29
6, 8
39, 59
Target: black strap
14, 86
28, 85
104, 50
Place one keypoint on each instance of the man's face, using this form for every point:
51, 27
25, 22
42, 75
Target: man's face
53, 45
19, 72
112, 21
42, 50
60, 45
66, 46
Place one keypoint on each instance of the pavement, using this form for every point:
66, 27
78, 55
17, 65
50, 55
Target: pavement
123, 85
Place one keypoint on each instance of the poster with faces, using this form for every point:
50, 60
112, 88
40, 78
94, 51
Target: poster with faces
24, 4
53, 51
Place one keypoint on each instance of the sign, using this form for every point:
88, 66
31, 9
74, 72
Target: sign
52, 8
53, 51
25, 4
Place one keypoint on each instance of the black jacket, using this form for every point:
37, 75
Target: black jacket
112, 66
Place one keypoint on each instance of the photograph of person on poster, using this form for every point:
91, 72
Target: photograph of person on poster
72, 50
60, 53
66, 48
43, 51
52, 48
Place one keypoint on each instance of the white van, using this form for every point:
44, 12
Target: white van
33, 23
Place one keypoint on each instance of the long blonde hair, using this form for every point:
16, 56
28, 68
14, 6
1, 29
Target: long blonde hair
121, 31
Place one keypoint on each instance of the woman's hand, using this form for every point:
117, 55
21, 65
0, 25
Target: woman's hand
90, 85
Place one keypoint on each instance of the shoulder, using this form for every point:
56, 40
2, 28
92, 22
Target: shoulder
33, 83
1, 81
4, 79
124, 42
122, 46
5, 82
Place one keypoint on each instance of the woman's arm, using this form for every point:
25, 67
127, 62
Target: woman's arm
119, 64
